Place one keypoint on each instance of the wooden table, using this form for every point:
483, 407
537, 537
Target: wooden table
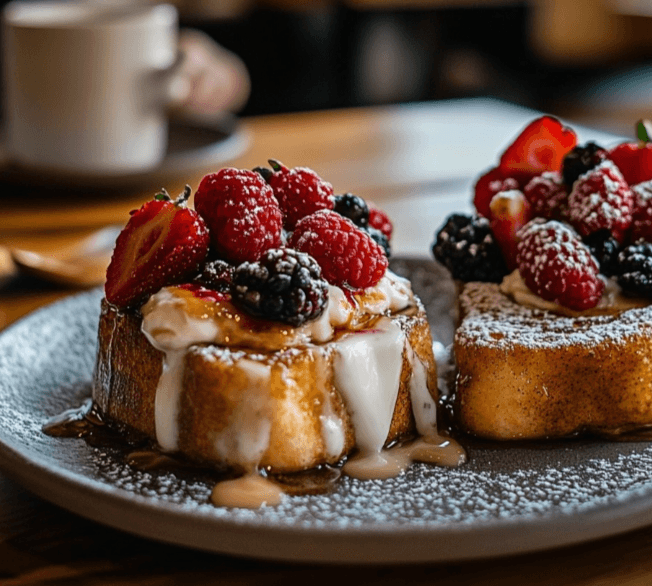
417, 162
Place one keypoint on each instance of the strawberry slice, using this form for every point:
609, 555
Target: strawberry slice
164, 243
488, 185
634, 159
510, 211
541, 146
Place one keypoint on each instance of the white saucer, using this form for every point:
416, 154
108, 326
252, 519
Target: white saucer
192, 146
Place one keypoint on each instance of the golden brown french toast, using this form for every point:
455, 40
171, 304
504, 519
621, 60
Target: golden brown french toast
280, 410
526, 373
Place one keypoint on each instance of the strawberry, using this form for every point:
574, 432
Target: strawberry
164, 243
489, 185
540, 147
634, 159
510, 211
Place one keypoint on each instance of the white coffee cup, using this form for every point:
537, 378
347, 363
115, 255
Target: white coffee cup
87, 84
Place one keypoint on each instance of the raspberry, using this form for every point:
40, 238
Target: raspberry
380, 220
601, 199
352, 207
557, 266
466, 247
642, 212
348, 256
605, 248
510, 211
547, 196
284, 285
580, 160
242, 214
488, 185
300, 192
540, 147
216, 275
635, 269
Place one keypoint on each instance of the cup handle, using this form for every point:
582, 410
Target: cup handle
172, 85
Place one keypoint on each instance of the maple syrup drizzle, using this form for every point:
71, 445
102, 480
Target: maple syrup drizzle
250, 490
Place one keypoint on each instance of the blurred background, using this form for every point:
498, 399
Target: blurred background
590, 60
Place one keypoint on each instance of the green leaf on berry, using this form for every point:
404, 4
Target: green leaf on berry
644, 130
163, 195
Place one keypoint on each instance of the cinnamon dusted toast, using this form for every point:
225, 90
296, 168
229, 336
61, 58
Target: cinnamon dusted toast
282, 410
526, 373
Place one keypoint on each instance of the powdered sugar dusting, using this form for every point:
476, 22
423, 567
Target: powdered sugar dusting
493, 319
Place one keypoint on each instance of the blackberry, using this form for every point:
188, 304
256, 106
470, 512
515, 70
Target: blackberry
580, 160
466, 246
605, 248
266, 172
284, 285
379, 238
635, 269
354, 208
216, 275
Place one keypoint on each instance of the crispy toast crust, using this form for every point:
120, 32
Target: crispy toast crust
525, 373
128, 368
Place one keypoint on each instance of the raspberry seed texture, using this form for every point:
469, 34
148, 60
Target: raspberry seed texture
557, 266
348, 256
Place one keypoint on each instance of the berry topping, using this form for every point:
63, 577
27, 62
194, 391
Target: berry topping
634, 159
379, 238
557, 266
284, 285
635, 269
206, 293
605, 248
352, 207
547, 196
488, 185
380, 220
466, 247
642, 213
580, 160
510, 211
299, 191
242, 214
265, 172
540, 147
601, 199
216, 275
347, 255
164, 243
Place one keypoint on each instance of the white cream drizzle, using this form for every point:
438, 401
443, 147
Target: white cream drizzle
246, 438
367, 372
367, 367
171, 330
423, 405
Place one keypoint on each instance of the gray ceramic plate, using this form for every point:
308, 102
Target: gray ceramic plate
506, 500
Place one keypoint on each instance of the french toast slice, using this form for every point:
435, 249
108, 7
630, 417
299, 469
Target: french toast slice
527, 373
281, 410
